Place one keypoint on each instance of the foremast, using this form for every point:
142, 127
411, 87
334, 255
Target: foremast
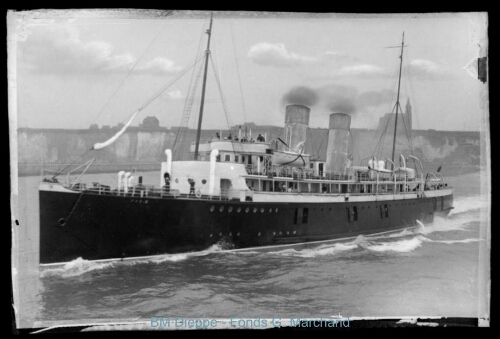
207, 55
397, 100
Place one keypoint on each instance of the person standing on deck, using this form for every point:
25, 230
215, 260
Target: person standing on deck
166, 188
191, 188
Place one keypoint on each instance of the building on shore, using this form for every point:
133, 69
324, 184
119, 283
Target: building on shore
404, 121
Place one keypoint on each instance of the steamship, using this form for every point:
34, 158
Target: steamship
241, 193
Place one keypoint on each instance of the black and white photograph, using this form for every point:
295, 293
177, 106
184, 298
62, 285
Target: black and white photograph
201, 170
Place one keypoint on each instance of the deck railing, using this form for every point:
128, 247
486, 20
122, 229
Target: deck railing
149, 191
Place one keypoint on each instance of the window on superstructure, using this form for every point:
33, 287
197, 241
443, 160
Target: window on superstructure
236, 158
227, 157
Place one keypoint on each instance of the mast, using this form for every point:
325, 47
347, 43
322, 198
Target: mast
207, 55
397, 101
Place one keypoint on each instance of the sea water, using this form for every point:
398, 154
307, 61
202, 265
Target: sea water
434, 270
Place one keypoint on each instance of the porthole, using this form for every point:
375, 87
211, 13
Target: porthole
255, 210
212, 208
203, 181
262, 210
274, 233
176, 180
210, 235
294, 232
230, 233
247, 209
230, 209
270, 210
281, 233
238, 209
258, 234
61, 222
221, 208
220, 234
276, 210
238, 234
287, 233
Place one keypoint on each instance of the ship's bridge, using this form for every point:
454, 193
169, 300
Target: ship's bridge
249, 153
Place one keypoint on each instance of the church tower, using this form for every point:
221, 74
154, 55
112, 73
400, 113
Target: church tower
408, 114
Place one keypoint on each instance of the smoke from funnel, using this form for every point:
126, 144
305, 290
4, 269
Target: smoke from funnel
301, 95
341, 104
336, 98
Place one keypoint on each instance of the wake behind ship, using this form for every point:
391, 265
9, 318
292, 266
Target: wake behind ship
241, 193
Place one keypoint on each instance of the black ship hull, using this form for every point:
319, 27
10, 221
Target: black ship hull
107, 226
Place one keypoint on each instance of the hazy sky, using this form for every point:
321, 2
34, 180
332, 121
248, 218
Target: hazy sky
75, 68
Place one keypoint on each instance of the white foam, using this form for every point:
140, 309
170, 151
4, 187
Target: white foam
467, 204
402, 246
74, 268
447, 224
330, 249
81, 266
450, 242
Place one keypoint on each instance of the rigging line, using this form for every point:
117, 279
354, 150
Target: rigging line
406, 132
129, 72
406, 69
238, 73
309, 137
224, 106
379, 146
409, 139
101, 145
188, 97
381, 141
188, 104
408, 79
60, 170
181, 131
164, 88
380, 96
213, 56
180, 74
388, 120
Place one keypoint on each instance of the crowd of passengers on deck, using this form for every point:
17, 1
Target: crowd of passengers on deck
260, 138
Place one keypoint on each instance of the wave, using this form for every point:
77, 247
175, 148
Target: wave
460, 222
401, 246
322, 250
468, 204
74, 268
81, 266
450, 242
